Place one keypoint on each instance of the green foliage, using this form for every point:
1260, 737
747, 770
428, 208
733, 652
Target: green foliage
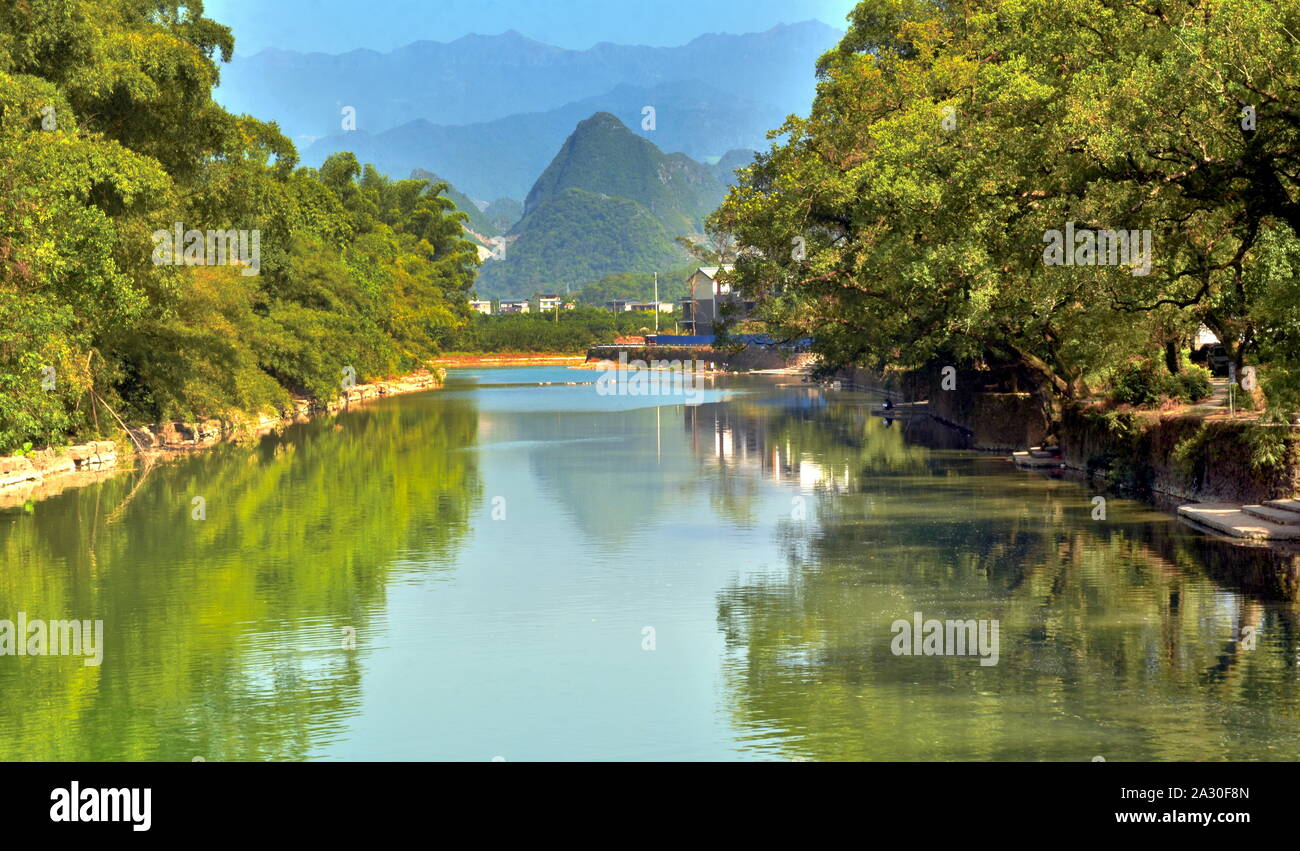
496, 219
1279, 346
1142, 382
1189, 456
1194, 383
108, 133
1270, 443
1138, 382
1122, 426
946, 143
575, 239
638, 286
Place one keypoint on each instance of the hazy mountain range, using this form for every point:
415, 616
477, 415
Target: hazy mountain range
502, 158
488, 112
587, 182
478, 78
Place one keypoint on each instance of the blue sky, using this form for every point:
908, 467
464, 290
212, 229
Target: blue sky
336, 26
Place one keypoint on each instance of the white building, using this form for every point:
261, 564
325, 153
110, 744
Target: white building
701, 309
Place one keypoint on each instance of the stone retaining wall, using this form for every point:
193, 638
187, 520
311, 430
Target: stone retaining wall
1142, 452
39, 465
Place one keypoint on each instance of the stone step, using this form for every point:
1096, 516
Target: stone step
1273, 515
1028, 459
1231, 520
1284, 504
20, 478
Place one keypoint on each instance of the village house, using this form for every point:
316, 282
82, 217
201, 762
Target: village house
479, 306
516, 306
702, 309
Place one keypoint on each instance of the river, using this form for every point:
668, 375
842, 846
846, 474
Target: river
513, 569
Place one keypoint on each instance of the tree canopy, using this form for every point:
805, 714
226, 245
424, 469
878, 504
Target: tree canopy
909, 216
109, 135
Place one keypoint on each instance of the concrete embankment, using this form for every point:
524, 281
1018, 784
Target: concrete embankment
989, 408
1274, 520
746, 359
507, 359
46, 472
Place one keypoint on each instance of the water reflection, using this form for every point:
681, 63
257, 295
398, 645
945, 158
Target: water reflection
224, 636
770, 535
1129, 638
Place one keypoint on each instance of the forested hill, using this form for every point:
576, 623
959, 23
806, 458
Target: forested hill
603, 156
574, 239
609, 203
110, 143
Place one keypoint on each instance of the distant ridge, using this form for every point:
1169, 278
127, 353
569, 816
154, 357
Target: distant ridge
482, 78
504, 157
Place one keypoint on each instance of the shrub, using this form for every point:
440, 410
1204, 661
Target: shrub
1194, 383
1142, 383
1137, 382
1269, 444
1188, 455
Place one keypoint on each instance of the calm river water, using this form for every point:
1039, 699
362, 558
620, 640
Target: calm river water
511, 569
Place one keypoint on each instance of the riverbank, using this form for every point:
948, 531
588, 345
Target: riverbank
40, 474
1191, 454
746, 359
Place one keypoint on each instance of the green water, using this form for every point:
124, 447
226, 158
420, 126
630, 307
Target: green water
498, 552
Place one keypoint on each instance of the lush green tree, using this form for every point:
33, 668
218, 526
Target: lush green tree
906, 218
108, 134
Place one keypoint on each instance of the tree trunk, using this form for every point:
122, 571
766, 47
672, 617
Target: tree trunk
1172, 359
1058, 384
